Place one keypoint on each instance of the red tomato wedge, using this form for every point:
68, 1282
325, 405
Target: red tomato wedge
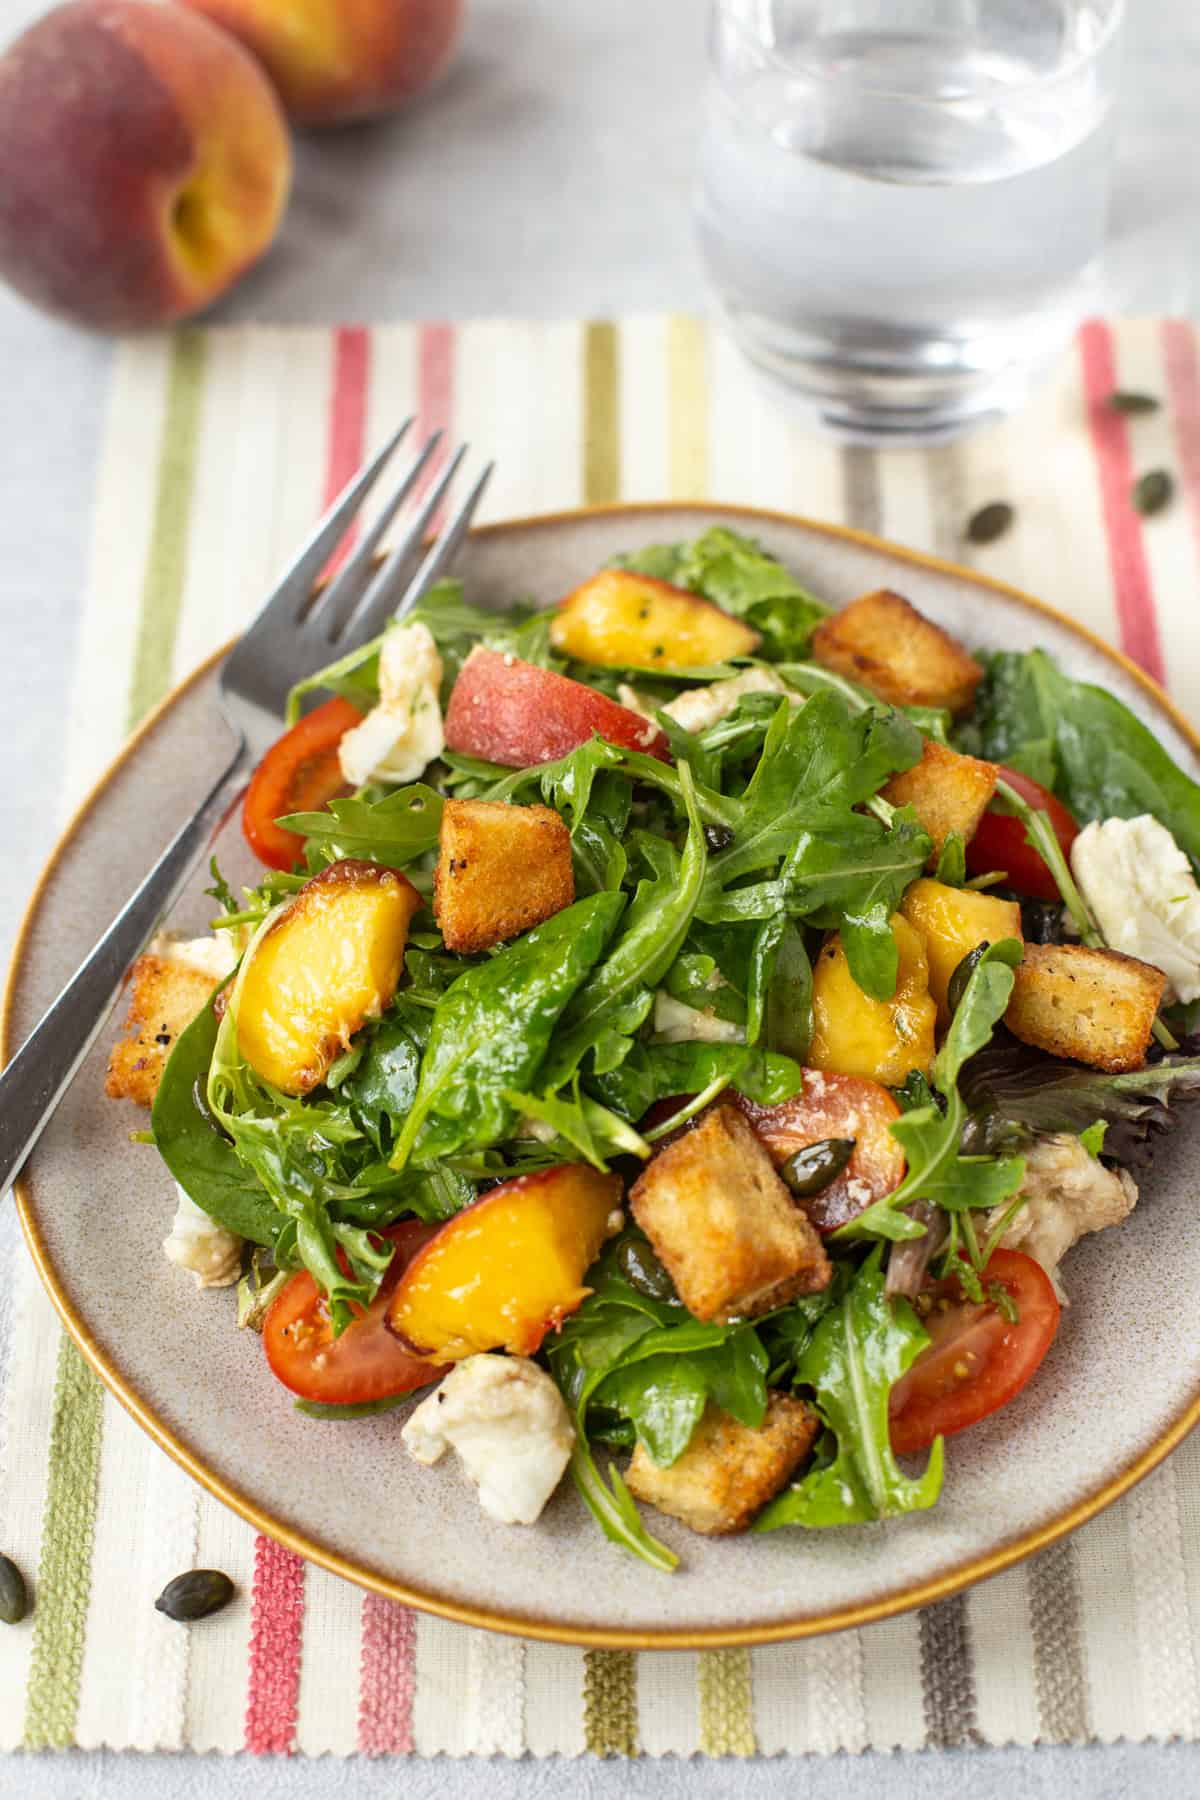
511, 712
975, 1360
999, 841
367, 1362
299, 773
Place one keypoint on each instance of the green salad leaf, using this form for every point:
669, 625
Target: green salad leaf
857, 1351
394, 830
739, 576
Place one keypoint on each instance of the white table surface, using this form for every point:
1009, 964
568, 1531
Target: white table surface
548, 177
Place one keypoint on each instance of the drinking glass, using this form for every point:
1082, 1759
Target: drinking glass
902, 204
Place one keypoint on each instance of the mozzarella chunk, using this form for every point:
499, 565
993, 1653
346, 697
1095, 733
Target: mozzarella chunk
400, 736
1140, 886
698, 708
1068, 1194
675, 1023
215, 956
511, 1429
199, 1244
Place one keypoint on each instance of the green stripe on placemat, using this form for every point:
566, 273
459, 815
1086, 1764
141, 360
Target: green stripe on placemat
65, 1568
610, 1712
166, 560
726, 1703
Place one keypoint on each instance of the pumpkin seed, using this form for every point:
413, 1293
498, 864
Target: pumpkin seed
957, 985
718, 837
643, 1271
814, 1167
990, 522
1153, 491
1124, 400
195, 1594
14, 1595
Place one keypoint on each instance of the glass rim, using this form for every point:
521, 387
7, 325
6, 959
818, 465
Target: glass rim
724, 9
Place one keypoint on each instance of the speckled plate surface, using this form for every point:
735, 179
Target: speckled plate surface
1121, 1385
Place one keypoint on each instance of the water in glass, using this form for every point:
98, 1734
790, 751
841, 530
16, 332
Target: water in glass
902, 203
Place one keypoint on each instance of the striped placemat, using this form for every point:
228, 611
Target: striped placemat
220, 449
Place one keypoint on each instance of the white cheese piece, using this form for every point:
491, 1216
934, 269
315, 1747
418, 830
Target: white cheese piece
400, 736
675, 1023
1140, 886
198, 1243
698, 708
511, 1429
215, 956
1068, 1194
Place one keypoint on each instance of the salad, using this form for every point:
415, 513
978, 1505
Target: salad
683, 1029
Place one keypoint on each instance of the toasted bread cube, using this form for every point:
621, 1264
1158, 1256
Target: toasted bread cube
1092, 1006
891, 648
948, 792
729, 1470
951, 922
165, 996
501, 870
723, 1224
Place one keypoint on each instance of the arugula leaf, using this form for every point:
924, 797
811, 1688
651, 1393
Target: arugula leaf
857, 1351
652, 1072
195, 1149
580, 1121
931, 1138
394, 830
492, 1027
952, 861
1081, 742
779, 1000
614, 1510
740, 577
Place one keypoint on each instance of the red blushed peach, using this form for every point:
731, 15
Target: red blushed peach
144, 163
511, 712
335, 60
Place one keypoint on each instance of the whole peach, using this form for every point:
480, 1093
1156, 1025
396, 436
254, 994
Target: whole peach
336, 60
144, 163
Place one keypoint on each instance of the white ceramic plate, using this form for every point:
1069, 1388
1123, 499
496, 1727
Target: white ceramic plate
1120, 1387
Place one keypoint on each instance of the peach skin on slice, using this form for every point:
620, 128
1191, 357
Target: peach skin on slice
835, 1106
503, 1272
326, 966
511, 712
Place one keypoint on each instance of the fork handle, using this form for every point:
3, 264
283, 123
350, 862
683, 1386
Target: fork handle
40, 1073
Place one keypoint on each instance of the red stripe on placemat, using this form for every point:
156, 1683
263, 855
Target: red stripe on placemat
1134, 593
1182, 362
435, 395
347, 429
276, 1627
387, 1677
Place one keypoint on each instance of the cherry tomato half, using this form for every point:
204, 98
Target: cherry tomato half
999, 842
299, 773
367, 1362
975, 1360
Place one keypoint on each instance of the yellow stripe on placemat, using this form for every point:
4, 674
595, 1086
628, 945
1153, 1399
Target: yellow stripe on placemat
726, 1703
601, 415
687, 408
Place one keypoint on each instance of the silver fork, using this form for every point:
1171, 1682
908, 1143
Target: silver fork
296, 631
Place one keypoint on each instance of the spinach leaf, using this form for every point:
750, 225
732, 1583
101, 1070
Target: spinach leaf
652, 1072
393, 831
930, 1137
195, 1149
1081, 742
740, 577
382, 1088
857, 1351
582, 1123
492, 1027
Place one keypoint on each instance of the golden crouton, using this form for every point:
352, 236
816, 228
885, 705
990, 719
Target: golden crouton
1093, 1006
164, 998
888, 646
729, 1471
501, 869
948, 792
722, 1223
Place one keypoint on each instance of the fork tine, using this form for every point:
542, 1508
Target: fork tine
333, 604
442, 550
300, 579
368, 616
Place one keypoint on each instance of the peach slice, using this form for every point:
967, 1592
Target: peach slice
511, 712
619, 619
835, 1106
502, 1273
326, 966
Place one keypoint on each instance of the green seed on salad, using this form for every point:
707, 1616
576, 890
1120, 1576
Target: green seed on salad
1152, 492
990, 522
195, 1594
957, 985
14, 1595
643, 1271
813, 1168
1125, 400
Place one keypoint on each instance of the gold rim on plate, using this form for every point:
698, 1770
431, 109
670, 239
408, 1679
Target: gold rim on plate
838, 1619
